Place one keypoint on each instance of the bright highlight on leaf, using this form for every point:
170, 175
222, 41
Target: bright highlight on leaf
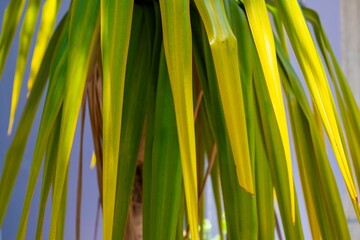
83, 35
178, 92
93, 161
116, 18
10, 22
53, 102
264, 41
315, 77
348, 107
48, 17
16, 150
26, 33
175, 18
225, 55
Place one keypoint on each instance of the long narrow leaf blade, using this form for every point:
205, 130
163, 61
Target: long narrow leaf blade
166, 164
264, 41
348, 107
48, 17
26, 33
83, 34
150, 119
9, 24
315, 76
225, 55
17, 147
314, 167
116, 19
275, 153
48, 175
60, 226
175, 16
240, 215
53, 102
264, 187
133, 116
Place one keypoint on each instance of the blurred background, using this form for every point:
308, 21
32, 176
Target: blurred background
341, 24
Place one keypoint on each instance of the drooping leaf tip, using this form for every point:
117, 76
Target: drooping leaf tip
11, 124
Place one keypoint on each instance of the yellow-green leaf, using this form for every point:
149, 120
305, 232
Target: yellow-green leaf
264, 42
10, 22
166, 177
16, 150
225, 55
175, 16
53, 102
48, 17
26, 33
48, 174
116, 21
348, 108
60, 226
275, 153
238, 203
316, 79
264, 187
147, 166
83, 34
314, 167
136, 87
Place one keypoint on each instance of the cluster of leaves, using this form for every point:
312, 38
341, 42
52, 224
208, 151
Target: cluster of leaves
142, 67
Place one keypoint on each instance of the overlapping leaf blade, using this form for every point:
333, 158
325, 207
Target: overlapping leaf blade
314, 168
47, 23
276, 155
60, 224
224, 51
175, 18
264, 41
116, 19
16, 150
264, 186
238, 203
150, 120
53, 102
166, 164
315, 77
348, 107
10, 22
146, 106
83, 35
26, 32
49, 174
133, 116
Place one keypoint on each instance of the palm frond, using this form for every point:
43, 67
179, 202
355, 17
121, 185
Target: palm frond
180, 93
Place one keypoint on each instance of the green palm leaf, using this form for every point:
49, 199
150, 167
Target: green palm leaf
81, 40
182, 95
175, 18
17, 147
116, 19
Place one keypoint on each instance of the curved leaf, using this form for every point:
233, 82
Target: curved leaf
315, 77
